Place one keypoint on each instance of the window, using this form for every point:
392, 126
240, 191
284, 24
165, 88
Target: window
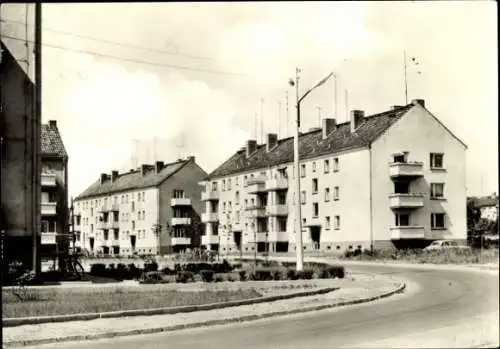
214, 186
245, 179
246, 203
281, 198
336, 223
223, 184
229, 184
236, 181
327, 194
303, 197
237, 198
401, 188
91, 211
133, 206
326, 166
314, 185
437, 190
229, 207
399, 158
138, 196
314, 166
303, 170
437, 221
315, 209
327, 222
178, 193
237, 214
336, 193
402, 219
436, 160
223, 207
335, 164
139, 215
133, 225
116, 200
281, 224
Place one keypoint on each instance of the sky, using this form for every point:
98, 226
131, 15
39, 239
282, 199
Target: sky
198, 74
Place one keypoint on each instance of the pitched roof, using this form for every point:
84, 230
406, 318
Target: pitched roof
133, 180
52, 144
311, 144
486, 201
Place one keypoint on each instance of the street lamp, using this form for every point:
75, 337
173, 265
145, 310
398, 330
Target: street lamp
298, 215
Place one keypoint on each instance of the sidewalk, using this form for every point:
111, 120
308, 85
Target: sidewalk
357, 292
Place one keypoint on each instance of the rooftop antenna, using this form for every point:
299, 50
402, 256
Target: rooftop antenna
262, 120
319, 115
181, 145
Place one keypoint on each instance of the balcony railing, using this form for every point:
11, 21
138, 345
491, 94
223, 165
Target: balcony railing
48, 238
210, 195
181, 221
48, 180
180, 202
255, 211
277, 210
405, 201
261, 236
181, 241
407, 232
277, 183
278, 236
48, 208
209, 239
406, 169
108, 225
109, 207
256, 185
209, 217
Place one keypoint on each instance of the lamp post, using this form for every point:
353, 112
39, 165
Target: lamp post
298, 215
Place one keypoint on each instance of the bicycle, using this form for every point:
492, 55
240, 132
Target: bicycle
19, 289
71, 265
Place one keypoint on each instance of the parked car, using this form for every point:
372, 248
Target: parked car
445, 245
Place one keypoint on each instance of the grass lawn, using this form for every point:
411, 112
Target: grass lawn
42, 302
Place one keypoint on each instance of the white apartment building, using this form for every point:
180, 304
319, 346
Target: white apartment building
390, 180
151, 210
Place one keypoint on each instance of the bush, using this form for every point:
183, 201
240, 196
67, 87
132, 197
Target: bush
219, 278
207, 275
242, 275
152, 276
153, 266
305, 274
262, 274
336, 271
291, 274
184, 277
98, 269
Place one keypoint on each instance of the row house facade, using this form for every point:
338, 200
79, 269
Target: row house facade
390, 180
152, 210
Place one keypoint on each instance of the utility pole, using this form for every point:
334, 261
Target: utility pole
72, 211
36, 130
298, 215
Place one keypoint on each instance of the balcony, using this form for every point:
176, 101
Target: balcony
406, 169
181, 241
108, 225
180, 202
255, 212
313, 222
407, 232
48, 238
109, 208
278, 183
210, 195
48, 208
209, 217
181, 221
256, 185
406, 201
277, 210
48, 180
209, 239
278, 236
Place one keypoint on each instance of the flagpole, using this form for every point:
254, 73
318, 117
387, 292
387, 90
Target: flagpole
406, 81
298, 216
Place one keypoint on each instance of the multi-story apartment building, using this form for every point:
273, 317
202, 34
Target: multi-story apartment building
54, 199
488, 206
154, 209
388, 180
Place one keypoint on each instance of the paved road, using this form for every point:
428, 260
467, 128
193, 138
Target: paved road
432, 313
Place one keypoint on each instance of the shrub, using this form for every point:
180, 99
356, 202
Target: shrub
291, 274
98, 269
219, 278
153, 266
242, 275
207, 275
277, 274
336, 271
133, 271
305, 274
152, 276
184, 276
262, 274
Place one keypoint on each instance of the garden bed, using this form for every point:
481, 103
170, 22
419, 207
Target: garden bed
46, 302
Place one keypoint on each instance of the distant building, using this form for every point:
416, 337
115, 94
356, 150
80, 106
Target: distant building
391, 180
488, 205
54, 183
154, 209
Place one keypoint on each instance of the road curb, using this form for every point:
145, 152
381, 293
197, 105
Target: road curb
11, 322
401, 287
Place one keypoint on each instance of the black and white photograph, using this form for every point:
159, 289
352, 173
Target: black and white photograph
251, 175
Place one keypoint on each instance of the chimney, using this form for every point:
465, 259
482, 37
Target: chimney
52, 124
357, 117
251, 147
158, 166
103, 178
395, 107
418, 101
191, 158
272, 141
329, 125
114, 176
144, 169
